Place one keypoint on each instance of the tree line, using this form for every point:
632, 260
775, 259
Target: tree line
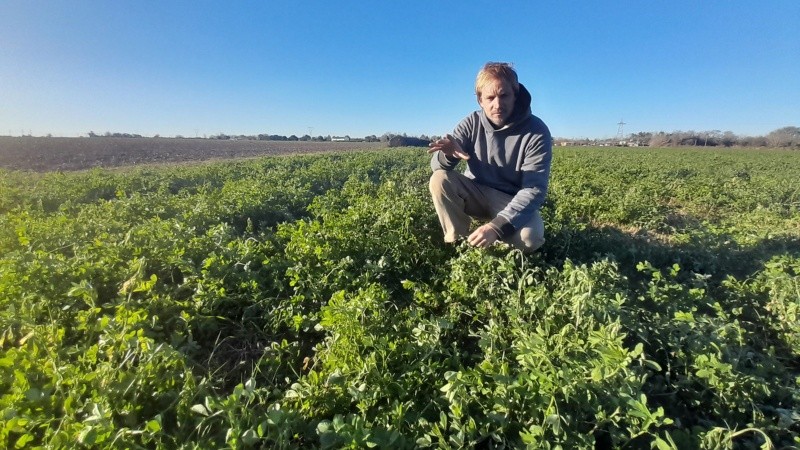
386, 137
782, 137
785, 137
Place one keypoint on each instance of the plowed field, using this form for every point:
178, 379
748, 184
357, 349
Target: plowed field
42, 154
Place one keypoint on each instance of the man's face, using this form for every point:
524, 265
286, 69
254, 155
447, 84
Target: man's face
497, 101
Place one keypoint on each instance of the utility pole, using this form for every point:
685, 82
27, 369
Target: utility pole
620, 134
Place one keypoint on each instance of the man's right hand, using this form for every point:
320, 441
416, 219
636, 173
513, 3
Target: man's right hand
448, 146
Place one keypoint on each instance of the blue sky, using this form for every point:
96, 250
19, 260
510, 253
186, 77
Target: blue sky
360, 68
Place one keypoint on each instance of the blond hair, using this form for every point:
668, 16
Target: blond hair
496, 71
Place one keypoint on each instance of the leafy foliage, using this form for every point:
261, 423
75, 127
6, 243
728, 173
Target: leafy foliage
309, 302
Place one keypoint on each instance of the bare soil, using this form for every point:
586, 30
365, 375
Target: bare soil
44, 154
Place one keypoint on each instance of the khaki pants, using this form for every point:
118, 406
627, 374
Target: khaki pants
458, 199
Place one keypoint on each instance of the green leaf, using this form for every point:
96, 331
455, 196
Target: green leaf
324, 426
425, 441
652, 365
154, 426
87, 436
34, 394
663, 445
200, 409
250, 437
23, 440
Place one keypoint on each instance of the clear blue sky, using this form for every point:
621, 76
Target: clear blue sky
360, 68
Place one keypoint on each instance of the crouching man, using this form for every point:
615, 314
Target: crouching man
507, 151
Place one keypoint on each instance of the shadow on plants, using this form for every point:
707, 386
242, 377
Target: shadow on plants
716, 256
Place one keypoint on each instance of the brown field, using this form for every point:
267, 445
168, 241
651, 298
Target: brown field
43, 154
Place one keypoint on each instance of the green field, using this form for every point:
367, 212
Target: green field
308, 302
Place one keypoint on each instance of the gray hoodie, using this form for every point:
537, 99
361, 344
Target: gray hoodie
514, 159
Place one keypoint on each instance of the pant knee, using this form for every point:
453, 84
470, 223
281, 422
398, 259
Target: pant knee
437, 183
530, 240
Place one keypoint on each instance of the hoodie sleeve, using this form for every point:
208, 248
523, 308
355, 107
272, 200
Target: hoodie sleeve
440, 161
534, 183
462, 134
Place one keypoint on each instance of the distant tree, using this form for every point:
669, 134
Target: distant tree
118, 135
710, 138
305, 137
784, 137
728, 139
659, 140
640, 138
293, 138
753, 141
688, 138
371, 138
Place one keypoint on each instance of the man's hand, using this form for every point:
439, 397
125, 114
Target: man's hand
483, 237
449, 147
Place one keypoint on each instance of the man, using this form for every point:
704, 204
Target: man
507, 151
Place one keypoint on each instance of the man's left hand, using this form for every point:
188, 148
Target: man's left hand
483, 237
